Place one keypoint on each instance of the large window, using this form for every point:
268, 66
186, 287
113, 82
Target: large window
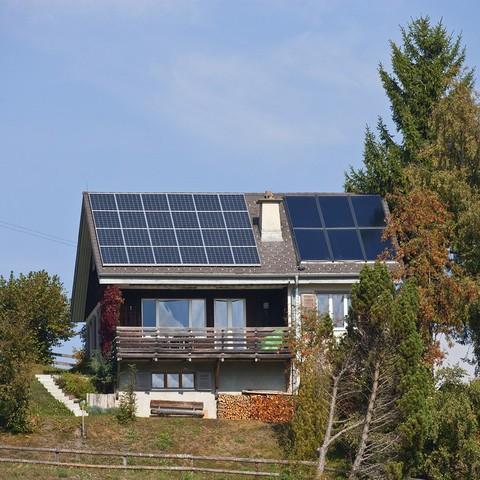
173, 313
173, 381
336, 305
230, 313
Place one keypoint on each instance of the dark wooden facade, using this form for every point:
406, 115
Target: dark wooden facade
264, 308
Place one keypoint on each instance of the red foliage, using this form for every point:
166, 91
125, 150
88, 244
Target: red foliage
423, 228
111, 302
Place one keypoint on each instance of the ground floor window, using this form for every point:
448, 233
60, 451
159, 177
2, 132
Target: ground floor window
336, 305
173, 381
174, 313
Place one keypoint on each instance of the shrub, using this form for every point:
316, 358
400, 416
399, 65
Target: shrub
102, 370
75, 384
16, 346
128, 402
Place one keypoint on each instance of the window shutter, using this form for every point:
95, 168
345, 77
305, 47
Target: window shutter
204, 381
309, 301
143, 381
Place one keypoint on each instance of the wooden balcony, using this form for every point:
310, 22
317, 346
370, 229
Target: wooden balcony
164, 343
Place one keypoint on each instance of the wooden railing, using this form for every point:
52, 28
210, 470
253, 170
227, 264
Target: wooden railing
250, 342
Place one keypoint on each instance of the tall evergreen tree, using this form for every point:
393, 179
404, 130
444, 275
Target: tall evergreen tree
396, 382
424, 68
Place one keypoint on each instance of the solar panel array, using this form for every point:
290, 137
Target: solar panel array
338, 227
173, 229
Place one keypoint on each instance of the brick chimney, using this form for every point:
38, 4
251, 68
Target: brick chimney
270, 225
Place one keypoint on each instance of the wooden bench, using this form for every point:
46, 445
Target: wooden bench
175, 408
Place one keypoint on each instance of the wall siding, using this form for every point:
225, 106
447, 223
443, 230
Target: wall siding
257, 316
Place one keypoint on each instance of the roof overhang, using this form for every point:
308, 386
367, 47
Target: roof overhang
83, 264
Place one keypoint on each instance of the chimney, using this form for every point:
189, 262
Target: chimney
270, 225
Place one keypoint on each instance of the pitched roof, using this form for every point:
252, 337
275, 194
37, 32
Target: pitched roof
278, 261
276, 258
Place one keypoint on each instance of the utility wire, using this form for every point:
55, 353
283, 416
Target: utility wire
35, 233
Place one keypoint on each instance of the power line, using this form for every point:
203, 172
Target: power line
35, 233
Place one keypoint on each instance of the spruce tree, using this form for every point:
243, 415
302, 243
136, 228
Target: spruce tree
396, 381
424, 68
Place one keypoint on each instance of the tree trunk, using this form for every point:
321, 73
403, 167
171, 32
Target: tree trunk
368, 420
328, 432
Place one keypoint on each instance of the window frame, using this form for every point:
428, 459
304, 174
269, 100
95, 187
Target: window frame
180, 387
189, 300
346, 304
230, 311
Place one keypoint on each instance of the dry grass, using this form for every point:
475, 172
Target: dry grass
56, 427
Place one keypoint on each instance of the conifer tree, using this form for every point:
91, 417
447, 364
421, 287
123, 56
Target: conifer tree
396, 381
424, 69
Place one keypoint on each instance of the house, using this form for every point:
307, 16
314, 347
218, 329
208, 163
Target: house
213, 283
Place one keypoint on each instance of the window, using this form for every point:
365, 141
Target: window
336, 305
230, 313
173, 313
173, 381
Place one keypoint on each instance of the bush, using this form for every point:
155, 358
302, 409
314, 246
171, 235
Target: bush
128, 402
75, 384
103, 370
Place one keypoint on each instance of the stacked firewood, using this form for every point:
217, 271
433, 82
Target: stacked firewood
233, 407
271, 408
274, 408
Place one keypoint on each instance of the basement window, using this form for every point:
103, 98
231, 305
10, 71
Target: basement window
173, 381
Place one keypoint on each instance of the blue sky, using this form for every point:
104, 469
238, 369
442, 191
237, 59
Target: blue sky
172, 95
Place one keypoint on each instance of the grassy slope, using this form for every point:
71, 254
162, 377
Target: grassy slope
56, 427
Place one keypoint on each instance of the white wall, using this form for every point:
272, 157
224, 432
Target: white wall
208, 399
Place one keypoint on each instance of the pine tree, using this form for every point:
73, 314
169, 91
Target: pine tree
424, 68
396, 381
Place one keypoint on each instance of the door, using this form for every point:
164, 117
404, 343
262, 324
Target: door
230, 323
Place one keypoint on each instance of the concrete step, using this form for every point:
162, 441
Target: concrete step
56, 392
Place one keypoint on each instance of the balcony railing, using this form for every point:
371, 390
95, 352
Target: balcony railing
157, 343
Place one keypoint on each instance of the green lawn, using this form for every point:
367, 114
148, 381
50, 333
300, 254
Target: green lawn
55, 426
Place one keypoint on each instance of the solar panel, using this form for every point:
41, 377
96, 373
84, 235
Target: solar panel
345, 244
155, 201
110, 237
159, 219
173, 229
337, 227
304, 212
373, 243
211, 219
129, 201
106, 219
219, 255
312, 244
336, 211
164, 237
369, 211
114, 254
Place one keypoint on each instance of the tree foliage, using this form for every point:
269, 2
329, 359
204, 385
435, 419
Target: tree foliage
395, 379
423, 227
452, 450
16, 358
40, 301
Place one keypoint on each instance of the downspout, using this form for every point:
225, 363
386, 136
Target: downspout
297, 327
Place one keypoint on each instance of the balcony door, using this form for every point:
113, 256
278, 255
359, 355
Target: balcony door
231, 319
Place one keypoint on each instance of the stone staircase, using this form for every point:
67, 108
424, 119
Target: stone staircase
56, 392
